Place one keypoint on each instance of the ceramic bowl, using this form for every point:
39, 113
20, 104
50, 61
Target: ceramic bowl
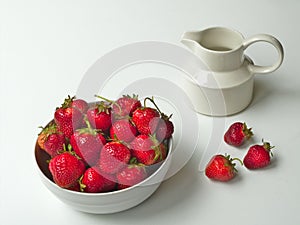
103, 203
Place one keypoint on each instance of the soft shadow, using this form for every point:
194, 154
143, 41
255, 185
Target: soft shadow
171, 193
262, 90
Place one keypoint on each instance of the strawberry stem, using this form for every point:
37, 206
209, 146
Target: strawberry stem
268, 147
237, 160
87, 122
67, 102
247, 131
133, 160
152, 101
81, 185
105, 99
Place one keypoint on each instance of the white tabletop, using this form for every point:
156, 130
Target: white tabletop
47, 46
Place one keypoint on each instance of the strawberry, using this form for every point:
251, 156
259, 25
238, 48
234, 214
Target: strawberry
123, 130
80, 104
51, 140
41, 139
66, 169
99, 116
165, 128
87, 144
113, 157
68, 118
93, 181
221, 168
258, 156
54, 144
148, 150
74, 187
110, 181
125, 106
131, 175
237, 133
42, 136
145, 120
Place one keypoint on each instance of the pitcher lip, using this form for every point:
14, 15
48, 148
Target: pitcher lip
241, 37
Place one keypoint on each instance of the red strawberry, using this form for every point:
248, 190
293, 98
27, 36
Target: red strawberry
54, 144
123, 130
51, 140
87, 144
80, 104
221, 168
67, 118
125, 106
131, 175
165, 128
75, 187
148, 150
99, 116
237, 133
42, 136
145, 120
258, 156
93, 181
66, 169
110, 181
113, 157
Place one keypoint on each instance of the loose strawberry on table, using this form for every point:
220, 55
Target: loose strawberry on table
258, 156
237, 133
221, 168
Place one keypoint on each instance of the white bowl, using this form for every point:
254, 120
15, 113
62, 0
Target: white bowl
103, 203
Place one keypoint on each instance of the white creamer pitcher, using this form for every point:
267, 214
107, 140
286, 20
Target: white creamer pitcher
225, 87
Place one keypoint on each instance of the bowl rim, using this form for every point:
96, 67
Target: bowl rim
140, 184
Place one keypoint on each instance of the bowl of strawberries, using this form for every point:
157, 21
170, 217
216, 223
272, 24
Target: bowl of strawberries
106, 156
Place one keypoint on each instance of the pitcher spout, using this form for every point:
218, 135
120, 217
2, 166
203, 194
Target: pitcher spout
190, 40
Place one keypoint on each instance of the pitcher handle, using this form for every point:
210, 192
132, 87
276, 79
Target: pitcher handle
273, 41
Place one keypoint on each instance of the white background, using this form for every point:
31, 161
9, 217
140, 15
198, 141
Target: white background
47, 46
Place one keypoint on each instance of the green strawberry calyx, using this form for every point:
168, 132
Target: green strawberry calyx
111, 102
69, 149
89, 129
134, 96
229, 162
103, 106
67, 102
267, 146
51, 128
247, 131
134, 163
